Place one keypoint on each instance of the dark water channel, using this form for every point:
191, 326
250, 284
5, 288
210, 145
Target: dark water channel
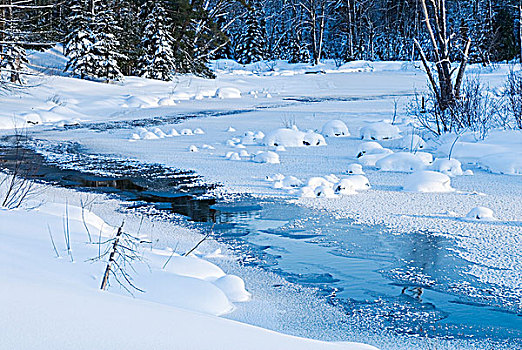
413, 284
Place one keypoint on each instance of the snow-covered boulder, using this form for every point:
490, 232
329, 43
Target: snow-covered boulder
307, 192
344, 187
450, 167
158, 132
358, 182
293, 138
370, 147
266, 157
481, 213
234, 156
354, 169
193, 148
198, 131
227, 92
315, 182
230, 129
379, 131
186, 132
234, 288
402, 162
148, 135
427, 181
335, 128
371, 157
288, 182
173, 132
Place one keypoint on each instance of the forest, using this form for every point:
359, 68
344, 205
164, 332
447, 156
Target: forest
108, 39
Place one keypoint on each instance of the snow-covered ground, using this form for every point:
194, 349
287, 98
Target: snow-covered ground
267, 129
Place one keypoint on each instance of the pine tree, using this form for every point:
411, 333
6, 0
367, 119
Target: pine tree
157, 61
251, 48
79, 40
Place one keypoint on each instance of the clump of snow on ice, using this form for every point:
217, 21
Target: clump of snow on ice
233, 156
234, 288
158, 132
193, 148
231, 129
427, 181
370, 152
227, 92
355, 169
412, 142
198, 131
252, 138
148, 135
344, 187
379, 131
335, 128
288, 182
293, 138
403, 162
266, 157
324, 192
186, 132
358, 182
166, 101
244, 153
173, 132
275, 177
450, 167
317, 181
481, 213
205, 146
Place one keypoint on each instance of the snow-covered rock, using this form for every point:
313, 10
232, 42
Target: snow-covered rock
186, 132
317, 181
234, 156
450, 167
313, 139
244, 153
228, 92
324, 192
335, 128
370, 159
148, 135
266, 157
198, 131
158, 132
379, 131
370, 147
193, 148
231, 129
205, 146
427, 181
173, 132
288, 182
234, 288
275, 177
354, 169
402, 162
481, 213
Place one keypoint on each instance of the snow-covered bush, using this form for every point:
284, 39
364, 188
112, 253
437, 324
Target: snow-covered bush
412, 142
370, 152
335, 128
344, 187
379, 131
481, 213
324, 191
266, 157
427, 181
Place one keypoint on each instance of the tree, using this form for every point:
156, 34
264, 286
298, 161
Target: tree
157, 61
252, 44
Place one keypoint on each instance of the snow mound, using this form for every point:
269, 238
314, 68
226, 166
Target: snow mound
358, 182
288, 182
166, 101
266, 157
227, 92
371, 158
370, 147
205, 146
481, 213
192, 266
139, 102
186, 132
355, 169
504, 163
233, 156
173, 132
324, 192
275, 177
427, 181
293, 138
198, 131
402, 162
379, 131
450, 167
315, 182
193, 148
335, 128
252, 138
158, 132
234, 288
230, 129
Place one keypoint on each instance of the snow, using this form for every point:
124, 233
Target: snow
358, 182
228, 92
354, 169
450, 167
335, 128
293, 138
266, 157
428, 181
481, 213
234, 288
412, 142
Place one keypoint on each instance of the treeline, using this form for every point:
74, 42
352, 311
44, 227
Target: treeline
106, 39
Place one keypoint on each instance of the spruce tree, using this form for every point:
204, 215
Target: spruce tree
251, 47
157, 60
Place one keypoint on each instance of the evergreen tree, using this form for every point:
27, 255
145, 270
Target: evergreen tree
79, 40
157, 61
251, 47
